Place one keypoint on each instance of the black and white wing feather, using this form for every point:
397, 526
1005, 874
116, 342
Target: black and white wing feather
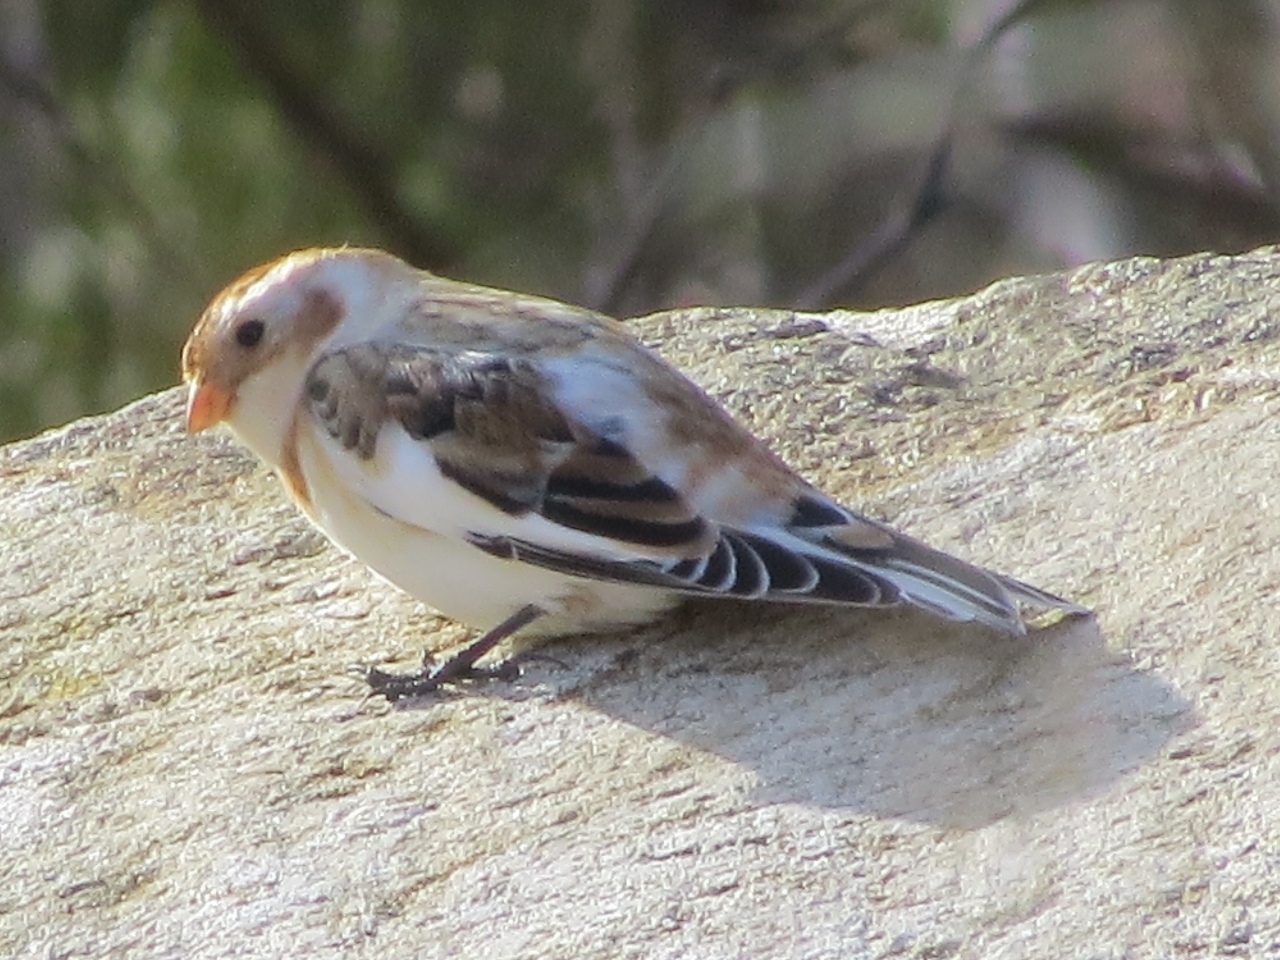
579, 502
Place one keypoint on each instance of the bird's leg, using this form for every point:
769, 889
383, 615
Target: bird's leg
461, 666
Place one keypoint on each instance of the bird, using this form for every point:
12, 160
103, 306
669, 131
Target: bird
525, 465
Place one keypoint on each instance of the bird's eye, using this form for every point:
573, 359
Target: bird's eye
249, 333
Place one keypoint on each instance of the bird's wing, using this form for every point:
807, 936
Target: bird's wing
546, 489
489, 424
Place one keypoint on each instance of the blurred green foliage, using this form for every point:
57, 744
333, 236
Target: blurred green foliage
627, 154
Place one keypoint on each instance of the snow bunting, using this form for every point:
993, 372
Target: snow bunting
522, 464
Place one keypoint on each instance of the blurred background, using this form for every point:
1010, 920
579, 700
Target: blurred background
630, 155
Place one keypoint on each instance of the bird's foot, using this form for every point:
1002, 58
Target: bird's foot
461, 666
432, 676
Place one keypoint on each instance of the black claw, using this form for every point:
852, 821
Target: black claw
397, 686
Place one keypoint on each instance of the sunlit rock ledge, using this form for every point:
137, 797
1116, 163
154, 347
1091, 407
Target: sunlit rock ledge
188, 768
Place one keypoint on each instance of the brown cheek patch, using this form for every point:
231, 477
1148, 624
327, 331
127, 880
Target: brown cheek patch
320, 313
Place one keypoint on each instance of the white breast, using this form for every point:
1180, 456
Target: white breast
397, 514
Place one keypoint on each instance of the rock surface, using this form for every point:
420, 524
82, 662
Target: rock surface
187, 769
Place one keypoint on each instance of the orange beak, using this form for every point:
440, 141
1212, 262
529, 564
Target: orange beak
207, 406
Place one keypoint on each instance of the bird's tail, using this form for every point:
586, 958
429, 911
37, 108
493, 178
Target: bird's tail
950, 587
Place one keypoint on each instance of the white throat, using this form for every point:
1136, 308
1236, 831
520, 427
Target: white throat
266, 405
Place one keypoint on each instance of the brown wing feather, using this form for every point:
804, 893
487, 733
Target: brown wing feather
494, 428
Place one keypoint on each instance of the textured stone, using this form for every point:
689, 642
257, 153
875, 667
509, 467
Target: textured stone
188, 770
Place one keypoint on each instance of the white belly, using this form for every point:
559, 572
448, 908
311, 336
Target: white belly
457, 579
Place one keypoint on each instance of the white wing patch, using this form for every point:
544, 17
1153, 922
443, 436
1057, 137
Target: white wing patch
404, 481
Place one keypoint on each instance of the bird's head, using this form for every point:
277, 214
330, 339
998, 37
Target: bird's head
247, 357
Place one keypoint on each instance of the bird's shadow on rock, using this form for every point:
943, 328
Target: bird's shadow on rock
898, 715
